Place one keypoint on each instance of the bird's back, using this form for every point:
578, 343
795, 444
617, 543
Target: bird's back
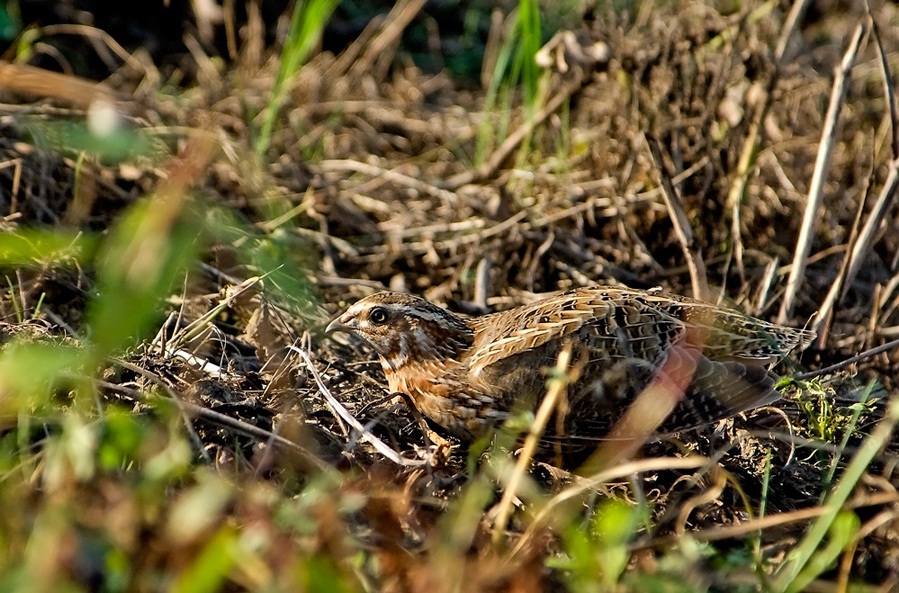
621, 340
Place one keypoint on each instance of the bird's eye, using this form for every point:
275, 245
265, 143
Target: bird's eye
378, 315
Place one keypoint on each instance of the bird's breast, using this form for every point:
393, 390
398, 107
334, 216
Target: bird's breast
438, 393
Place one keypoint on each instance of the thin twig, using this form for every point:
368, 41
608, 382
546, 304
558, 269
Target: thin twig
482, 281
225, 421
761, 524
716, 483
586, 485
691, 248
173, 396
394, 24
37, 82
96, 34
851, 261
499, 156
765, 285
344, 414
825, 312
342, 165
889, 89
822, 163
557, 385
887, 196
845, 363
194, 328
790, 573
753, 137
885, 201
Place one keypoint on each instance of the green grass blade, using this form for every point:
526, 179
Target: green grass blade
306, 26
38, 247
787, 578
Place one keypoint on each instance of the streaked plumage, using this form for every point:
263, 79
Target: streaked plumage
467, 374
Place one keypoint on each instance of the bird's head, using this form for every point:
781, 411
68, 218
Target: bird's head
402, 327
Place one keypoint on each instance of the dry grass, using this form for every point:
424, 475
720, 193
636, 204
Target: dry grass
159, 433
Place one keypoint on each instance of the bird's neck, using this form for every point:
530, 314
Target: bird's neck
428, 344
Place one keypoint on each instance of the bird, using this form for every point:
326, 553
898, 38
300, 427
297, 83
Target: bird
469, 374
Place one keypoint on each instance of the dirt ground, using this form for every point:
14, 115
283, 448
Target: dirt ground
387, 168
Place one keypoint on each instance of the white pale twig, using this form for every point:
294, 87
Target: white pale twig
340, 411
822, 164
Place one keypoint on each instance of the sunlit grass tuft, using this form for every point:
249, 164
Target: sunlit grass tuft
307, 24
515, 78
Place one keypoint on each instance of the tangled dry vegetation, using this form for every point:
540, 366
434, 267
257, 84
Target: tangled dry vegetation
159, 432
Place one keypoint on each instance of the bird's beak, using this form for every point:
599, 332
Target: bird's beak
341, 324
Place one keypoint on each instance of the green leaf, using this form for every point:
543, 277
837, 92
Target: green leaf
117, 144
146, 253
37, 247
841, 534
31, 372
208, 571
124, 433
10, 24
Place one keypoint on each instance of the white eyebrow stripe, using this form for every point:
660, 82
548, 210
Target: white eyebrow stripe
422, 313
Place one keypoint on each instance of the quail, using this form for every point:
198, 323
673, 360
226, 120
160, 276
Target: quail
469, 374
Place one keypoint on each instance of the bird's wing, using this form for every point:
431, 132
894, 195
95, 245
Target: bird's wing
716, 390
727, 334
604, 318
632, 323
